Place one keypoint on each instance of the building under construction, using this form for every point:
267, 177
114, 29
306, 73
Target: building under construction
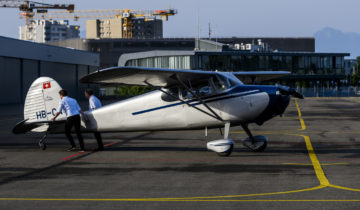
113, 28
42, 31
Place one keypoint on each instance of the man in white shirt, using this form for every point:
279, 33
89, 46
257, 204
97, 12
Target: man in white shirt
72, 111
94, 103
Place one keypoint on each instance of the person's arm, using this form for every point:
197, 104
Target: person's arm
84, 115
61, 107
91, 104
81, 112
56, 115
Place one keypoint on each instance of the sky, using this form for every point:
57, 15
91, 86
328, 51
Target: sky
275, 18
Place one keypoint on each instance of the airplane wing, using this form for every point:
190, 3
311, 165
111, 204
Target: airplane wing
250, 77
165, 77
139, 76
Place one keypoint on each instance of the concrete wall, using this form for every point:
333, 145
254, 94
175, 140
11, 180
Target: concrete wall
10, 80
22, 62
92, 29
17, 75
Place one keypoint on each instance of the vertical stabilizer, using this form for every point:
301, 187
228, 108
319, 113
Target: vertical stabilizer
41, 101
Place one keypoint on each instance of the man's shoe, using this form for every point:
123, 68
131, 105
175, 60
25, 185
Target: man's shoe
82, 150
100, 149
71, 149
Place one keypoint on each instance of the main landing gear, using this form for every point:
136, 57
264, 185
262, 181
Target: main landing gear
224, 147
255, 143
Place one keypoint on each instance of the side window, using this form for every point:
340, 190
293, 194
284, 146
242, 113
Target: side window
204, 90
221, 83
186, 94
201, 89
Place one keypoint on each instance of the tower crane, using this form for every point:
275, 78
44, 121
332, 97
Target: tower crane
127, 15
29, 9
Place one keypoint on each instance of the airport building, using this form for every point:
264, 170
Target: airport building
113, 28
211, 56
111, 49
21, 62
42, 31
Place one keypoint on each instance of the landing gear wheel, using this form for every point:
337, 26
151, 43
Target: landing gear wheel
42, 145
258, 145
226, 153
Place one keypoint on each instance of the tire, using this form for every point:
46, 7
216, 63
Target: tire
42, 146
257, 138
227, 153
261, 149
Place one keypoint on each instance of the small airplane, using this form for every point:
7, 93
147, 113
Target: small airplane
182, 100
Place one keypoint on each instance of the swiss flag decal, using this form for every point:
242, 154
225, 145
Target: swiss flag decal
46, 85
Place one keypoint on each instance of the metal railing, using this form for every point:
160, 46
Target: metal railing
345, 91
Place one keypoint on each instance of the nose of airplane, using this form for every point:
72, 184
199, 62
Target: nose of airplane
281, 103
282, 98
279, 99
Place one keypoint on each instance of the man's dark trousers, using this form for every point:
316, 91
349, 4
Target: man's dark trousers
70, 122
99, 140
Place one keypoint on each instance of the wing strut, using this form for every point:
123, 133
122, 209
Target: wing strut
179, 99
199, 99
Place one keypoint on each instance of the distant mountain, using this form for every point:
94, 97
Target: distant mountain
333, 40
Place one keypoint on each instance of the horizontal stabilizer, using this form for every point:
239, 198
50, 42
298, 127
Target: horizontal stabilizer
25, 126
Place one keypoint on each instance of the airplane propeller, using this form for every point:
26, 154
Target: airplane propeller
290, 92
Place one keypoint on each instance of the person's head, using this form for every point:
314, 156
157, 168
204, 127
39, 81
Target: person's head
62, 93
88, 93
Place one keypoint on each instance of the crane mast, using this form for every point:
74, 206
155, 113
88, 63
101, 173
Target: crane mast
30, 8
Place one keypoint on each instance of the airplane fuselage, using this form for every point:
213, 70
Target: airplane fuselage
149, 112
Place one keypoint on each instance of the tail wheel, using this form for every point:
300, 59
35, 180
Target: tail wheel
42, 145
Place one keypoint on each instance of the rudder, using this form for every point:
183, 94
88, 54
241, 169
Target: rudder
41, 101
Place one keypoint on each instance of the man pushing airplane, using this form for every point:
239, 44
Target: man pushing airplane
72, 111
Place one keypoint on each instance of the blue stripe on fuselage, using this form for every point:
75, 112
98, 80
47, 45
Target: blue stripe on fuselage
232, 93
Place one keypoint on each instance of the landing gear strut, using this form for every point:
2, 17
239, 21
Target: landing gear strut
254, 143
222, 147
42, 143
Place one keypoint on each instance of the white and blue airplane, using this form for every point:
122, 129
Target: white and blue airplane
183, 100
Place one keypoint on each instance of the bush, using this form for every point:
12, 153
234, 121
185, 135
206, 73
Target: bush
127, 91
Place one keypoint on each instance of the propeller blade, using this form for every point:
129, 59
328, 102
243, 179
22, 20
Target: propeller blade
290, 92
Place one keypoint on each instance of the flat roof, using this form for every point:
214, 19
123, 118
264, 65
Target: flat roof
37, 51
159, 53
242, 52
155, 53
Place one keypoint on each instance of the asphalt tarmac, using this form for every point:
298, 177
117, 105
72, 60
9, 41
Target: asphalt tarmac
312, 162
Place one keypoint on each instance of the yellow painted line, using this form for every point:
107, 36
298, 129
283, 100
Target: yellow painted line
162, 199
344, 188
314, 160
302, 122
264, 132
182, 200
298, 108
257, 194
323, 164
333, 98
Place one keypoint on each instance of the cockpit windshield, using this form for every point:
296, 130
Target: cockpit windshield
203, 88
